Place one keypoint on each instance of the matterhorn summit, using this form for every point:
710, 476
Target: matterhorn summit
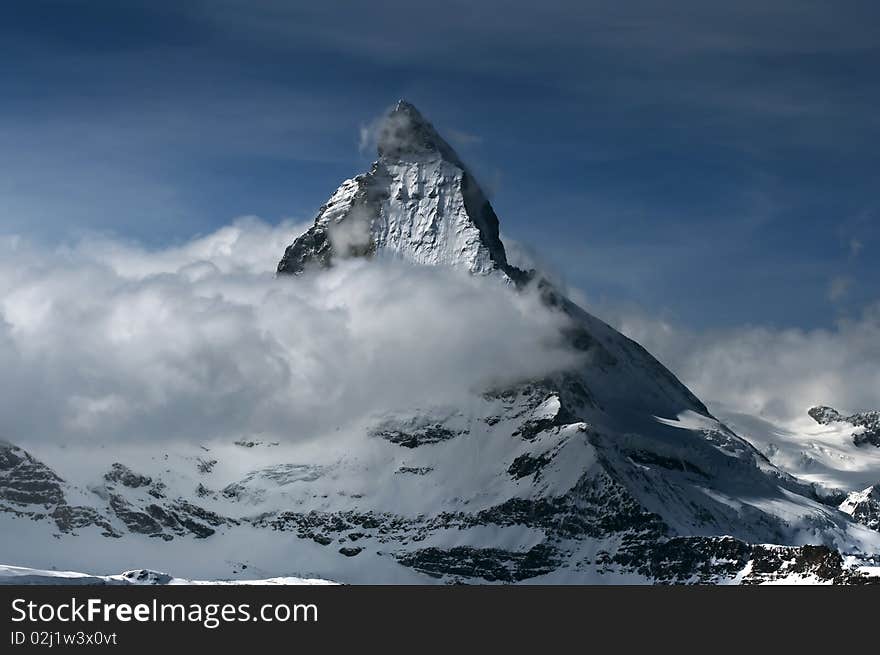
418, 202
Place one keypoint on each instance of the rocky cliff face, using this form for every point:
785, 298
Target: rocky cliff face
122, 502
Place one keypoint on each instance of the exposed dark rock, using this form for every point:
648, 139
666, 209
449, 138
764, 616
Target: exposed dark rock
526, 465
824, 415
72, 517
415, 470
681, 560
868, 421
27, 481
595, 507
134, 520
490, 564
205, 465
179, 517
209, 517
147, 577
531, 428
26, 484
772, 562
413, 437
157, 490
121, 474
671, 463
248, 443
709, 560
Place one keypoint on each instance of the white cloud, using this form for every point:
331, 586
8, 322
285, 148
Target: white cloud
248, 245
839, 287
776, 374
109, 341
462, 138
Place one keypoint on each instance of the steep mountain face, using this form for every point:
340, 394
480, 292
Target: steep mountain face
610, 471
418, 202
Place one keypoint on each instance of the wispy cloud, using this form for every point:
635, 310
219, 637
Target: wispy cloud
461, 138
855, 247
839, 287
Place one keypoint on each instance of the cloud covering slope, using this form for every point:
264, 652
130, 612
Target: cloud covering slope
774, 373
107, 341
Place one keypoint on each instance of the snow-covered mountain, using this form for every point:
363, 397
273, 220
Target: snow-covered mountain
418, 201
840, 454
608, 471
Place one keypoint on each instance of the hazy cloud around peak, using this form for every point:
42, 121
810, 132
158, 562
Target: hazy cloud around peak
774, 373
108, 341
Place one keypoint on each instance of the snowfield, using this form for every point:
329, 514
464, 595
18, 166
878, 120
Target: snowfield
17, 575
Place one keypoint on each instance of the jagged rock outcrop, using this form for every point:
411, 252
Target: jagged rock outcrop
126, 502
864, 506
30, 489
869, 422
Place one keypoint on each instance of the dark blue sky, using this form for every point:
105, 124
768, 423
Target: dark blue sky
713, 162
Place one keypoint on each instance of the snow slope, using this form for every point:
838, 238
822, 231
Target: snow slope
17, 575
822, 453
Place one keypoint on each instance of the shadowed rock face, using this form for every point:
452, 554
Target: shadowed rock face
126, 477
869, 421
26, 481
29, 488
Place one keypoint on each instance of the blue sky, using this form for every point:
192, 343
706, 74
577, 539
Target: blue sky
715, 163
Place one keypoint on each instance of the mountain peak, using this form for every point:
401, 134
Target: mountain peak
418, 202
406, 134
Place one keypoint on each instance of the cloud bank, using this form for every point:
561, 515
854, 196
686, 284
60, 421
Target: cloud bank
776, 374
108, 341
